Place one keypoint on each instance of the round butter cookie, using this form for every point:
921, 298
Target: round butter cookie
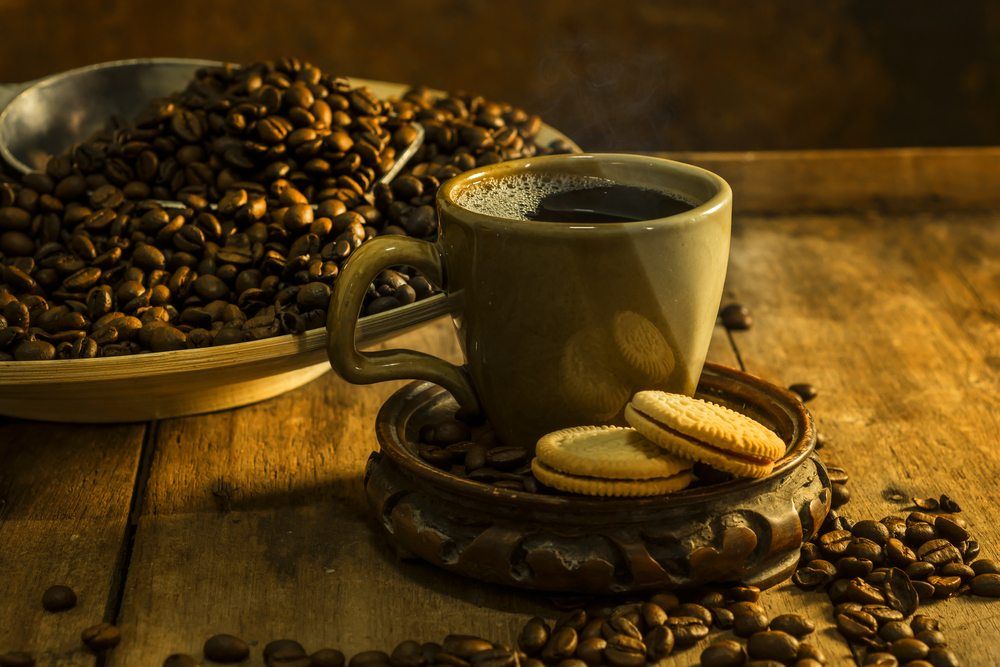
607, 461
702, 431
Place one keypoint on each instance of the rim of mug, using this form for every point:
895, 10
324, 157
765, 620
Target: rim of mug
722, 193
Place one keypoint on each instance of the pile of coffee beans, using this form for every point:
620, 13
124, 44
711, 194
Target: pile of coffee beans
877, 574
473, 452
225, 212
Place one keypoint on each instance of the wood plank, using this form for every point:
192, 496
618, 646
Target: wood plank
254, 523
895, 320
65, 493
897, 179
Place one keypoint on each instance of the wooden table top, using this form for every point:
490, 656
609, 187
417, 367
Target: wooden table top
874, 275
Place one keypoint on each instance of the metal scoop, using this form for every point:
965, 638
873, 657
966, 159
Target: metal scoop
46, 117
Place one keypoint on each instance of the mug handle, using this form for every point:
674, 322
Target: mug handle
346, 300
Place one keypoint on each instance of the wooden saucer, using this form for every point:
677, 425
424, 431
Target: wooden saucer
747, 531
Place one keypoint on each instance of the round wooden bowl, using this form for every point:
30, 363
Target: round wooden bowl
747, 531
171, 384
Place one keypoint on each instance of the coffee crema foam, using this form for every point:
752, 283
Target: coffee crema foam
515, 197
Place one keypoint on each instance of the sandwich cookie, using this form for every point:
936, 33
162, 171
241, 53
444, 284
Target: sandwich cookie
707, 432
607, 461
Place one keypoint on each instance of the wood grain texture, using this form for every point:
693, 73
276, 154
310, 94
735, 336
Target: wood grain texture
896, 321
64, 507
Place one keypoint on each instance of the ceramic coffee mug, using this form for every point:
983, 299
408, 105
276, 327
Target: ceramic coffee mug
560, 323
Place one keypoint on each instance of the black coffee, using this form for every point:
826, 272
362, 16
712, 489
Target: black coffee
576, 198
607, 203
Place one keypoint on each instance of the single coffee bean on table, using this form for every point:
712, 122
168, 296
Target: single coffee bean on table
226, 648
58, 598
180, 660
736, 317
101, 637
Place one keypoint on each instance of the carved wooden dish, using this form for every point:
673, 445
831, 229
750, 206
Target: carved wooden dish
746, 531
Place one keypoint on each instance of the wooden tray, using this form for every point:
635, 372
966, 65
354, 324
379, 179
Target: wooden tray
739, 531
172, 384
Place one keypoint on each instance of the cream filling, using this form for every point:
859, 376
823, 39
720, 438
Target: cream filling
747, 458
545, 466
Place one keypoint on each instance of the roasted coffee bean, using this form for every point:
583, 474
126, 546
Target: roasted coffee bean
949, 505
736, 317
282, 651
694, 611
860, 591
327, 657
883, 614
932, 638
985, 566
925, 591
922, 623
804, 390
101, 637
894, 630
898, 553
534, 635
960, 570
659, 642
773, 645
724, 653
591, 650
793, 624
722, 618
986, 585
836, 542
942, 657
939, 552
58, 598
652, 614
950, 530
881, 659
561, 645
944, 587
908, 649
180, 660
875, 531
624, 651
687, 630
929, 504
899, 592
919, 570
225, 649
840, 495
856, 625
744, 594
749, 619
815, 574
619, 625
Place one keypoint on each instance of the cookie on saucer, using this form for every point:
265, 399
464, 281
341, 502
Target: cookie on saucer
702, 431
607, 461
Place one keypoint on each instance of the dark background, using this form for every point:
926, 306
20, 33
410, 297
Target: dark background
694, 75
